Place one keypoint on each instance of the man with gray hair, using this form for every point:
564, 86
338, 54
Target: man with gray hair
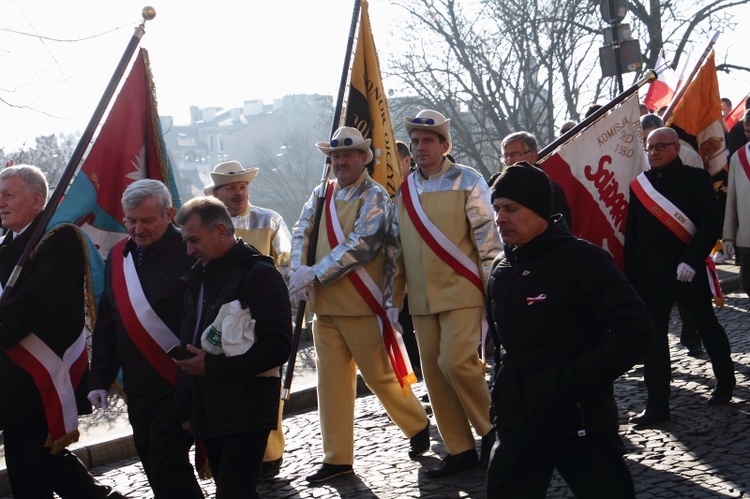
139, 321
41, 331
523, 146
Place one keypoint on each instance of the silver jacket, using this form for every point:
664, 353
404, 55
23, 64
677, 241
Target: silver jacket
478, 207
261, 218
362, 244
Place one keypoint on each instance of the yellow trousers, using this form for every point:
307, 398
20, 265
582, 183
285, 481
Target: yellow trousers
342, 344
275, 443
454, 375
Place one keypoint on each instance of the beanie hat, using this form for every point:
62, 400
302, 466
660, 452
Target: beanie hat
527, 185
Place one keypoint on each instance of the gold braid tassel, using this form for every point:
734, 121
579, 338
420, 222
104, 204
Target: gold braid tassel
62, 442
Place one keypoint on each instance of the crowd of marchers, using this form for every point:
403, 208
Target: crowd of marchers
195, 320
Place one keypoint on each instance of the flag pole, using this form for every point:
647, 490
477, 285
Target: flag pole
320, 202
650, 76
681, 91
147, 13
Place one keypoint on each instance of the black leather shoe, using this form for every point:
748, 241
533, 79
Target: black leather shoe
722, 394
649, 416
695, 352
328, 471
454, 464
484, 451
270, 469
420, 443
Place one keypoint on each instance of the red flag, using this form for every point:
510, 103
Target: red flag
736, 113
129, 147
595, 169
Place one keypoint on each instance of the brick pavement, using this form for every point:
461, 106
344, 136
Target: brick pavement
703, 452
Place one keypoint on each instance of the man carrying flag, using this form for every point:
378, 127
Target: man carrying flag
345, 289
43, 362
673, 222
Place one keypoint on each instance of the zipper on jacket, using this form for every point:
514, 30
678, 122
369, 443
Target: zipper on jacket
582, 430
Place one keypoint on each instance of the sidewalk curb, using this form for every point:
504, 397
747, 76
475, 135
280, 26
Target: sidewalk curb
103, 452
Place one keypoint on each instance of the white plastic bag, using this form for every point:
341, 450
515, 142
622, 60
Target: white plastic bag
232, 332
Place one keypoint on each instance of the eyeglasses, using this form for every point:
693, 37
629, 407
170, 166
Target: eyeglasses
658, 147
342, 142
513, 155
423, 121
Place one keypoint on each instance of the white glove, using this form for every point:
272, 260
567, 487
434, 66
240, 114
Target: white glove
301, 277
685, 272
98, 398
392, 314
728, 248
304, 294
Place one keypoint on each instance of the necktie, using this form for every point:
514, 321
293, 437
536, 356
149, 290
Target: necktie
139, 256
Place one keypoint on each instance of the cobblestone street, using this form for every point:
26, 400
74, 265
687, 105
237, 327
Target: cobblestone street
702, 452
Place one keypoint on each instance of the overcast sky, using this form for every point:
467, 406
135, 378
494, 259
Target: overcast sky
57, 56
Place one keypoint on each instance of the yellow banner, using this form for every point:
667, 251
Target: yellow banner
367, 107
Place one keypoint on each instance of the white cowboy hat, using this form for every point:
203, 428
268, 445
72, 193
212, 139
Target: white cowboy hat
429, 119
344, 138
228, 173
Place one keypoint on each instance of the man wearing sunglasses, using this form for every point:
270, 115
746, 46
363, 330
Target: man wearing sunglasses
673, 207
345, 288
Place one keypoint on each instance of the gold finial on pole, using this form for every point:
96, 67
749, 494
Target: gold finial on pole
148, 13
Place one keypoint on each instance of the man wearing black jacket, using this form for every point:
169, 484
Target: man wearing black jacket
135, 335
568, 324
673, 222
42, 321
232, 397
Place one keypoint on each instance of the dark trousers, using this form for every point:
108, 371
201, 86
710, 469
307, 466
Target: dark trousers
592, 466
742, 258
163, 448
657, 369
689, 336
34, 473
235, 463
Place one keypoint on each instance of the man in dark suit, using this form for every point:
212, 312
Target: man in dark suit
43, 347
139, 321
673, 222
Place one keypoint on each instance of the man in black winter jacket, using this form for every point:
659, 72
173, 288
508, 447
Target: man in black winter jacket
233, 393
568, 324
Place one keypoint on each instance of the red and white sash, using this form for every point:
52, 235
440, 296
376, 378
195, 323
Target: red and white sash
676, 221
742, 155
56, 379
144, 327
442, 246
370, 292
